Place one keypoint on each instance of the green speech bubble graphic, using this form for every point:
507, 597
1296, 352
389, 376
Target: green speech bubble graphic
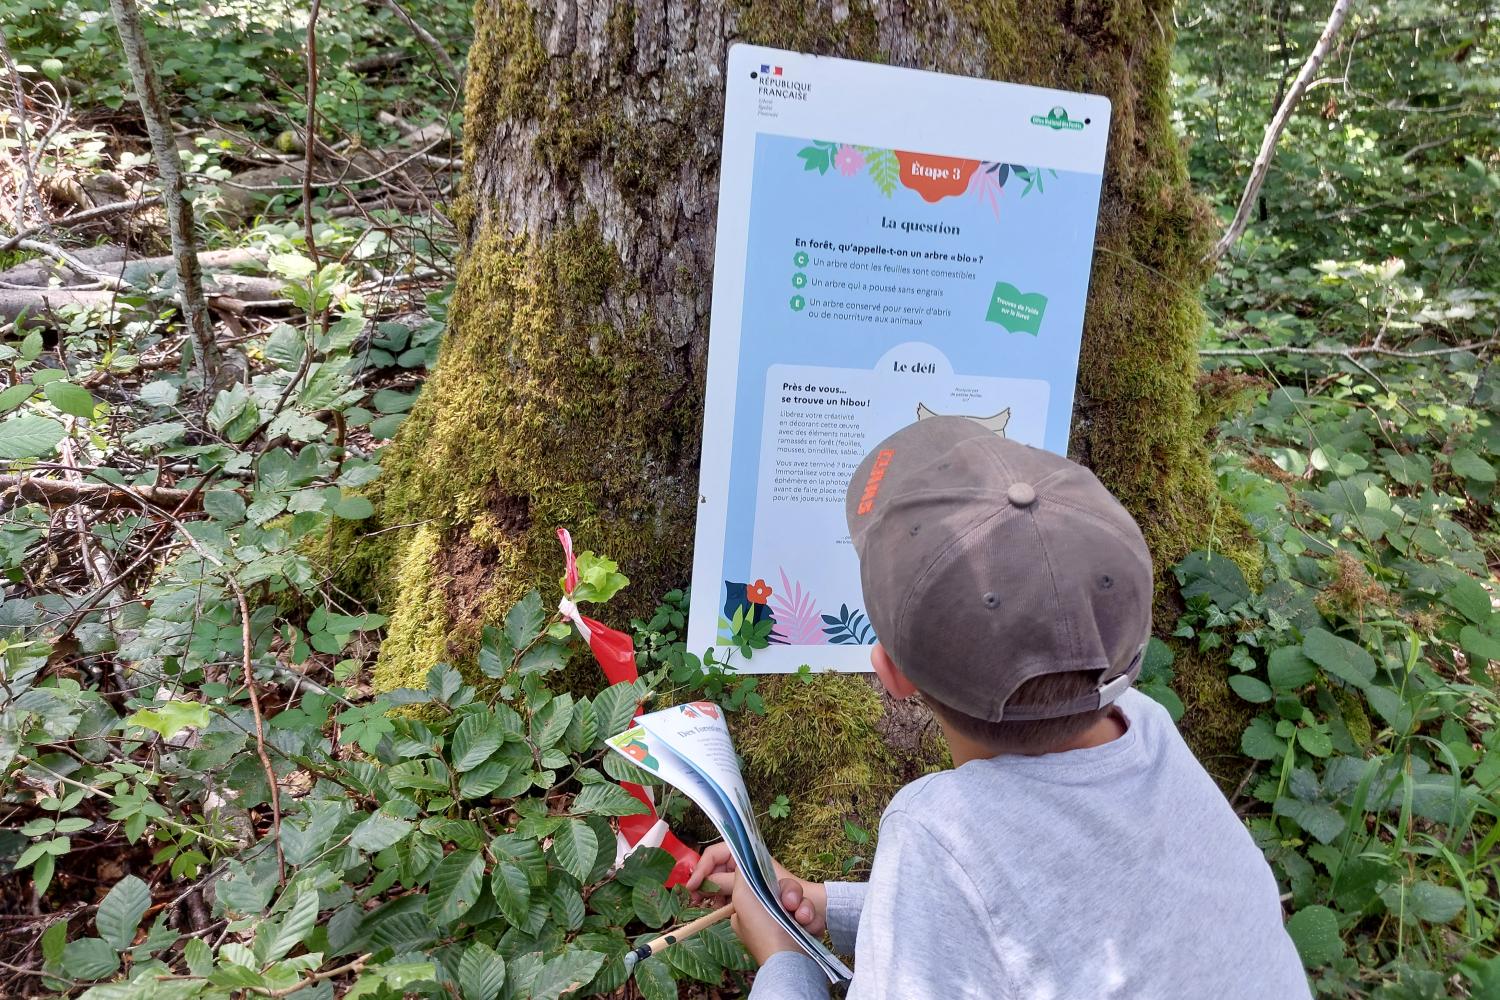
1017, 312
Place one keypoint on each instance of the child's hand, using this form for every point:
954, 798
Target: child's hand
805, 901
761, 935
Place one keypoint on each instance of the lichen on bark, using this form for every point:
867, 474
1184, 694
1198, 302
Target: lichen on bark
569, 388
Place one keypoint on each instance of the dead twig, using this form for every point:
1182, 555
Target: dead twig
433, 45
1349, 353
101, 496
1262, 164
81, 217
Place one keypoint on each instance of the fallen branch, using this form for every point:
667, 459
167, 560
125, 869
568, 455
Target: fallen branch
100, 496
74, 264
41, 272
1346, 352
1262, 164
79, 218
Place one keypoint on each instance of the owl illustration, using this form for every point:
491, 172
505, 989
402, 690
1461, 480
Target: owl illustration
995, 422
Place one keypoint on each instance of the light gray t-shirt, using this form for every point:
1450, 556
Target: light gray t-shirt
1109, 873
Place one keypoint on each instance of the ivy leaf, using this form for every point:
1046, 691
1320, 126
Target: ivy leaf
476, 739
29, 437
120, 911
576, 846
455, 886
1315, 932
481, 972
1343, 659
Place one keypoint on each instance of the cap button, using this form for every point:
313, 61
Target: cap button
1021, 495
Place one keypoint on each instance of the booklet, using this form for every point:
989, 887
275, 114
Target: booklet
688, 747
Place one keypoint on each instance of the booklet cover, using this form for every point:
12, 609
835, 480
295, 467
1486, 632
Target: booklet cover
688, 746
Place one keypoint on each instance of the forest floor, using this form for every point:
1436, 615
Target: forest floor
184, 669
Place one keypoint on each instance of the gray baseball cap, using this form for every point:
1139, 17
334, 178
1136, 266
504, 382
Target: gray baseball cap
986, 563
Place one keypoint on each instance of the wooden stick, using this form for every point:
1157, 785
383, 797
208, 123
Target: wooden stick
687, 930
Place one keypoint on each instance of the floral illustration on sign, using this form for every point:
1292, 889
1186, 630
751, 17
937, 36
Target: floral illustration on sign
744, 603
932, 177
797, 620
849, 161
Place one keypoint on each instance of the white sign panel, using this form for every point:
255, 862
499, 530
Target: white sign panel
891, 244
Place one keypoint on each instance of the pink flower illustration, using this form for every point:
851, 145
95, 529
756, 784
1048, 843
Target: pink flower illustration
849, 161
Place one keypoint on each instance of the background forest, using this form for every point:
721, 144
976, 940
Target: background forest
202, 794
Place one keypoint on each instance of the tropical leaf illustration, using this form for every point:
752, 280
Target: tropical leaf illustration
1033, 178
797, 618
850, 628
885, 170
986, 185
818, 156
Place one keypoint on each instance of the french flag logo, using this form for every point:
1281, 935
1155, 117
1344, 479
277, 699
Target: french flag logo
772, 70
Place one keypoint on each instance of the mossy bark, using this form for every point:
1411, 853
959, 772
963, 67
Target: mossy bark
569, 390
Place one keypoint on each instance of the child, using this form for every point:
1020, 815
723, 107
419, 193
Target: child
1077, 850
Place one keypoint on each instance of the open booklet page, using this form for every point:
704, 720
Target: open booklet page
688, 746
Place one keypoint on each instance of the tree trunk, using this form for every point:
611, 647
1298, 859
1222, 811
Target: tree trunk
570, 388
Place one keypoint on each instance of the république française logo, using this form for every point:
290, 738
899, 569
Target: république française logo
773, 83
1057, 119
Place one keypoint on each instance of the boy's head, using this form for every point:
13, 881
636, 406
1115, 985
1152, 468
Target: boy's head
1004, 582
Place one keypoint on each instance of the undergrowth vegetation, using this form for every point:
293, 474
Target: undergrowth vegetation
200, 795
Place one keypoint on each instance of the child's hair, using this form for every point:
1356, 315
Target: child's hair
1033, 736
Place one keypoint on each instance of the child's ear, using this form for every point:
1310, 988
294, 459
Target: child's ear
891, 677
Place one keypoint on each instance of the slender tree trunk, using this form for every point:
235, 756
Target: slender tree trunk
179, 209
569, 390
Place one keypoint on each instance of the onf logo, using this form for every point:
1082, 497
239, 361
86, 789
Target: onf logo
1057, 119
